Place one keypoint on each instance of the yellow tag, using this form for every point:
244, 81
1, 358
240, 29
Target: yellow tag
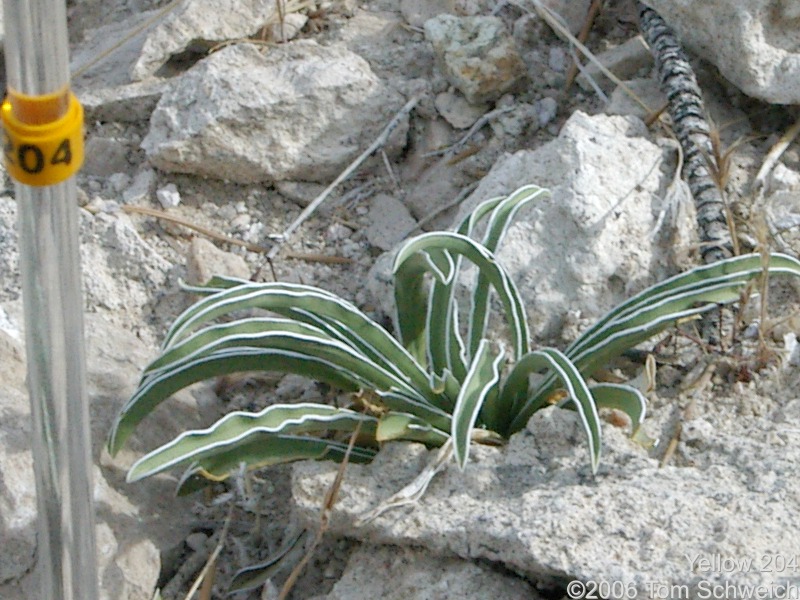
38, 150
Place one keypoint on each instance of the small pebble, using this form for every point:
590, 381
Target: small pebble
783, 178
119, 182
140, 188
255, 233
225, 212
241, 222
168, 196
337, 232
751, 332
546, 110
351, 249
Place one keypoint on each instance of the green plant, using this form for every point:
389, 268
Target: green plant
443, 379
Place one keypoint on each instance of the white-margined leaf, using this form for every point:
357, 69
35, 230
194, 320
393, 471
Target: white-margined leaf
404, 426
567, 375
266, 449
287, 346
400, 401
216, 284
310, 305
281, 334
410, 272
444, 344
657, 308
287, 555
687, 288
411, 299
233, 360
621, 397
650, 320
478, 391
237, 429
502, 214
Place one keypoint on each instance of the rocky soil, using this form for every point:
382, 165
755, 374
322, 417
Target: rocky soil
212, 125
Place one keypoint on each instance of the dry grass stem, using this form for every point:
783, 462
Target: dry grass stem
552, 20
774, 154
442, 209
477, 126
327, 505
379, 143
160, 214
206, 576
583, 35
125, 39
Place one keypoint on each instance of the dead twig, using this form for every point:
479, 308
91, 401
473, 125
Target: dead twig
774, 154
206, 576
125, 39
692, 387
583, 35
324, 517
278, 17
389, 170
552, 20
379, 142
320, 258
477, 126
281, 18
412, 493
160, 214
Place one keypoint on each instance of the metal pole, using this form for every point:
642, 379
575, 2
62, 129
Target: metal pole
43, 148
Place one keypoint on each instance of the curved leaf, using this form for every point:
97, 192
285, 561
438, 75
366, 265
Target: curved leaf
264, 450
404, 426
622, 397
480, 212
567, 374
411, 300
226, 335
239, 428
411, 270
307, 304
280, 334
636, 327
400, 401
289, 554
502, 215
237, 360
687, 288
506, 210
215, 284
444, 344
477, 391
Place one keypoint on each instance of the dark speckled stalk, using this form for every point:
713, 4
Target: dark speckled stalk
679, 84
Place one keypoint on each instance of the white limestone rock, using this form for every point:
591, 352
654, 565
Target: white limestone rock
390, 221
574, 250
477, 55
201, 25
535, 507
393, 573
298, 112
